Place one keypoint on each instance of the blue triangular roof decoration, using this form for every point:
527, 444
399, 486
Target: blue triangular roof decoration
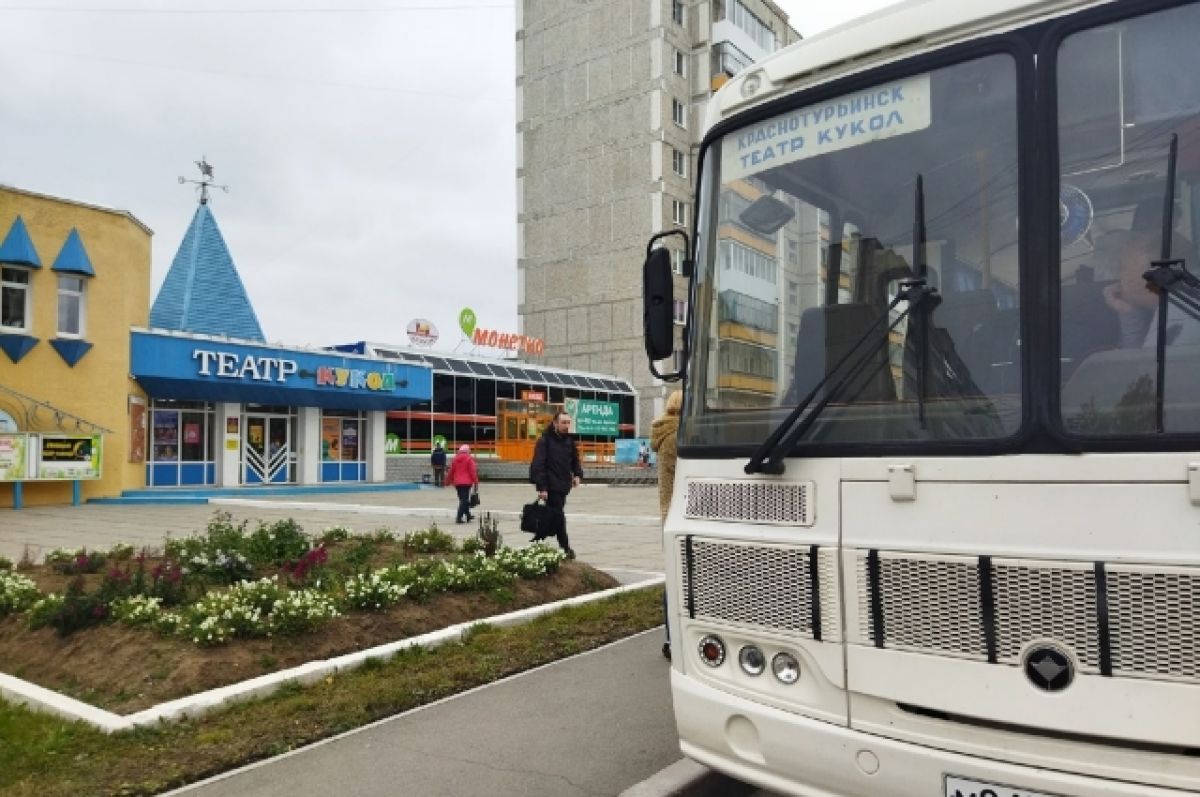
203, 292
18, 248
73, 258
71, 351
17, 346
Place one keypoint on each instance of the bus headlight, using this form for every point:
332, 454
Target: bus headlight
786, 668
752, 660
712, 651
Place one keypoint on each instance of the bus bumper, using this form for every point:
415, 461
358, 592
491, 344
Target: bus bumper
796, 755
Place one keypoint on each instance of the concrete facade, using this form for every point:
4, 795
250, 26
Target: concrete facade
610, 97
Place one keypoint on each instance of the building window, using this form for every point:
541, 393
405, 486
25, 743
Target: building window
680, 311
678, 113
680, 63
677, 261
14, 299
728, 60
71, 307
738, 257
677, 11
678, 162
679, 212
745, 19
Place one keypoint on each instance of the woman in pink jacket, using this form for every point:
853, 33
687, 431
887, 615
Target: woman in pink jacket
464, 476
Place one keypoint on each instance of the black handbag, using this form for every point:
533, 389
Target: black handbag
531, 516
474, 500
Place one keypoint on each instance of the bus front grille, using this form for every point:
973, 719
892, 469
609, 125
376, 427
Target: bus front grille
1116, 619
776, 587
784, 503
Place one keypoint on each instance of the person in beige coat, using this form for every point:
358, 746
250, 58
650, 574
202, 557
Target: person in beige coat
663, 439
663, 433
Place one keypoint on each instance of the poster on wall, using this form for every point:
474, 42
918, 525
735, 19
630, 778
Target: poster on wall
14, 457
350, 440
137, 429
330, 439
69, 457
166, 435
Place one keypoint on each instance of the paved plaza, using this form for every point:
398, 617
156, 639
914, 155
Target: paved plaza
614, 528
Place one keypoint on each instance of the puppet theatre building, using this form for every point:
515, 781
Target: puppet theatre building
102, 391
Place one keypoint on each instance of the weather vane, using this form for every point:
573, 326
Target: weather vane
206, 180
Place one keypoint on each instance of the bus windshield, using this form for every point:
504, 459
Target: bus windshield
808, 232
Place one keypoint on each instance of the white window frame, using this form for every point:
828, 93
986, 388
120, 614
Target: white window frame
679, 113
680, 65
678, 162
679, 212
677, 261
9, 283
79, 294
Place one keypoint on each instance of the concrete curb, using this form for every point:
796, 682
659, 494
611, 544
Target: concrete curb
38, 698
686, 778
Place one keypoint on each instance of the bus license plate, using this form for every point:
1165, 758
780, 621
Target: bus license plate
961, 787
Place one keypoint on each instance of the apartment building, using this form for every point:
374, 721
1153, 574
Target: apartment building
610, 98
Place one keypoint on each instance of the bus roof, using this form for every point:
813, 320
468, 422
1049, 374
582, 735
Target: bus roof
897, 31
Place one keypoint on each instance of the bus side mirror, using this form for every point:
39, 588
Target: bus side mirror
658, 305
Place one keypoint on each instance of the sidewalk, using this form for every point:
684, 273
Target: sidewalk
595, 724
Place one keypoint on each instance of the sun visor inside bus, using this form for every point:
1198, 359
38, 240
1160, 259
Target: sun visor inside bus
766, 215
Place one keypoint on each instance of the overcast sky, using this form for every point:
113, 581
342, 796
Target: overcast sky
369, 153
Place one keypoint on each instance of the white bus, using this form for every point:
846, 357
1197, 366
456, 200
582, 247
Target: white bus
936, 519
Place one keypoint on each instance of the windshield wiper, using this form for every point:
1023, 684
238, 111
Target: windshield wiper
768, 457
1176, 285
922, 270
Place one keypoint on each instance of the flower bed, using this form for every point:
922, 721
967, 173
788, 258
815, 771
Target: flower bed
247, 602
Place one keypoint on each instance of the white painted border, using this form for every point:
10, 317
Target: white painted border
38, 698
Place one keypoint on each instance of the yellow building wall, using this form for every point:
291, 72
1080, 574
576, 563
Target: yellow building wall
98, 388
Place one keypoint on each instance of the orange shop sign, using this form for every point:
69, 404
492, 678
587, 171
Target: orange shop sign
507, 340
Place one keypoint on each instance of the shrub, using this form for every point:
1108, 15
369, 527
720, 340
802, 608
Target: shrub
5, 563
137, 610
255, 609
430, 540
308, 567
73, 563
384, 536
277, 543
17, 593
334, 534
357, 555
70, 612
489, 534
375, 591
300, 611
120, 552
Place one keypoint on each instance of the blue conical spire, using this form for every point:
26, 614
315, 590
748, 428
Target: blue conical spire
203, 292
18, 248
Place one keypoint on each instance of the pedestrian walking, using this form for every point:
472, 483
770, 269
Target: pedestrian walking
437, 460
664, 434
464, 477
555, 470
